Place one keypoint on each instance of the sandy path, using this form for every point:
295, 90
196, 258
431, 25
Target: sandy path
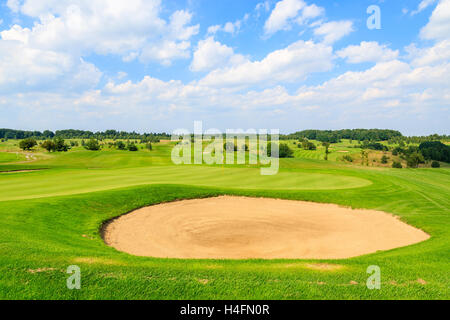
243, 228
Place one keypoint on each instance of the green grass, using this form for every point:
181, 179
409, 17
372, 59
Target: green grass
50, 219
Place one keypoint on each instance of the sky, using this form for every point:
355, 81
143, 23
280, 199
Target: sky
154, 66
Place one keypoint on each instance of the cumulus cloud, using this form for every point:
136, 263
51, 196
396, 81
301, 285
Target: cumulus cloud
292, 63
23, 68
334, 30
288, 12
229, 27
283, 13
310, 12
367, 52
124, 28
211, 54
439, 53
438, 28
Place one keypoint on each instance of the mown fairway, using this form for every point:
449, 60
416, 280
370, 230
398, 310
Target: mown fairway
50, 219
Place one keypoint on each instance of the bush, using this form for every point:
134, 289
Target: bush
49, 145
229, 146
397, 165
374, 146
347, 158
307, 145
120, 145
435, 164
149, 146
414, 159
27, 144
132, 147
92, 145
384, 159
284, 151
60, 145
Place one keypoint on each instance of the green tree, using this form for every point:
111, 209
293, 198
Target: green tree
27, 144
397, 165
120, 145
414, 159
283, 151
60, 145
49, 145
327, 147
132, 147
435, 164
92, 145
384, 159
149, 146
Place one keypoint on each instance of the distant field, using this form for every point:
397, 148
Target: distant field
50, 219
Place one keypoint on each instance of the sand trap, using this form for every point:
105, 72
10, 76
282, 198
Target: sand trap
246, 228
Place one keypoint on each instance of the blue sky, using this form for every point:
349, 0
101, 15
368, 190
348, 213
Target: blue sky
289, 64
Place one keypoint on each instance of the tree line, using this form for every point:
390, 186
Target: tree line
82, 134
334, 136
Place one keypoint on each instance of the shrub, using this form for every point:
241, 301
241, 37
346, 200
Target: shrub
229, 146
347, 158
49, 145
397, 165
374, 146
384, 159
307, 145
284, 151
120, 145
92, 145
149, 146
132, 147
27, 144
414, 159
435, 164
60, 145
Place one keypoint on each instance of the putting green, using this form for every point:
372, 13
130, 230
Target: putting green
57, 182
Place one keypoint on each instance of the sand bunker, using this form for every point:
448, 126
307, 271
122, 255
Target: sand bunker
247, 228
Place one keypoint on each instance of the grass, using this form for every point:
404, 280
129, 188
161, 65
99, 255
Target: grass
50, 219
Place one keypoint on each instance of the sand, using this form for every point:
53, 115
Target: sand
251, 228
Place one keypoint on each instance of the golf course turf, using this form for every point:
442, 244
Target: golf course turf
51, 219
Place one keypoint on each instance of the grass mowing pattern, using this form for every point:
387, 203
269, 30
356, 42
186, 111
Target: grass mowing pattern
40, 238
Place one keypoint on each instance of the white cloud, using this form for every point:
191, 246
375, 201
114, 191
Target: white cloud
115, 27
14, 5
229, 27
334, 30
310, 12
23, 68
437, 54
438, 28
367, 52
211, 54
214, 29
293, 63
422, 6
263, 6
166, 52
283, 13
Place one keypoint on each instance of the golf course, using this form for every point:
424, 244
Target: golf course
55, 207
